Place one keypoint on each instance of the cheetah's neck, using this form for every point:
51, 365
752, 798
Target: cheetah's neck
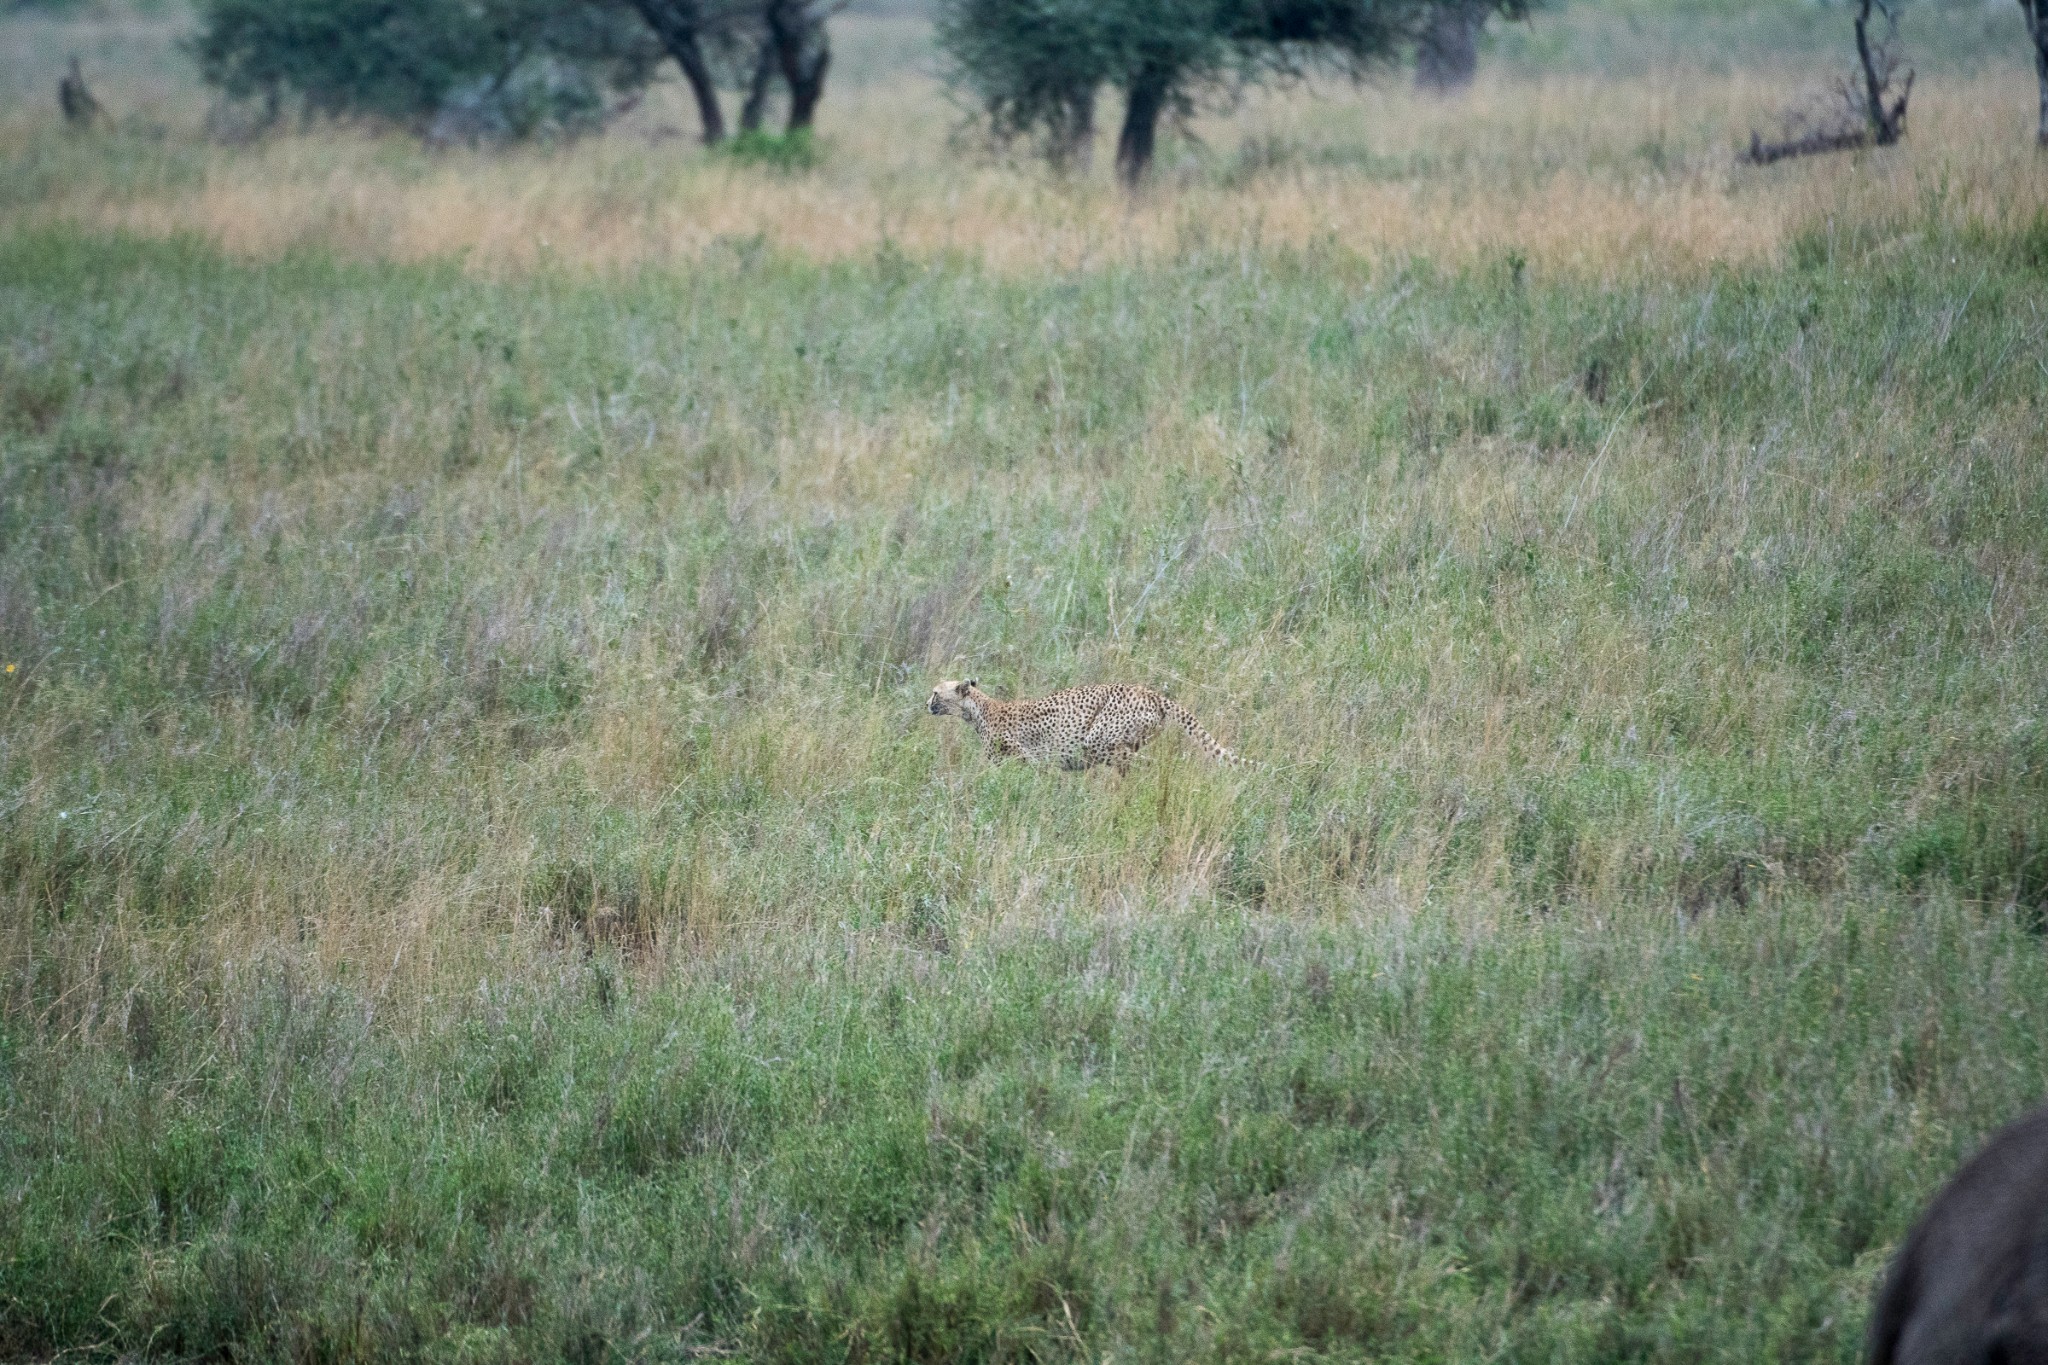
985, 714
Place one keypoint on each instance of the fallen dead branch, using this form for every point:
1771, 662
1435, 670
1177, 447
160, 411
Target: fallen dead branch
1869, 113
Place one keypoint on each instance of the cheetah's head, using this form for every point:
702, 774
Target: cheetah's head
949, 698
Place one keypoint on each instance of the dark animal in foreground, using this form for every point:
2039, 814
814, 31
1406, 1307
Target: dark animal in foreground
1970, 1284
1076, 728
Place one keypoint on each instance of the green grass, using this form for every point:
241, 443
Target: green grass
1206, 1136
795, 150
480, 883
1546, 591
477, 881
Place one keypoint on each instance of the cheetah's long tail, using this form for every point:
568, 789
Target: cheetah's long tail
1180, 715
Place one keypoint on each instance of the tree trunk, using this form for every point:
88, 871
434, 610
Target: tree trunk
807, 88
1887, 126
675, 23
1072, 147
1144, 102
1447, 54
2037, 29
1873, 89
805, 51
758, 88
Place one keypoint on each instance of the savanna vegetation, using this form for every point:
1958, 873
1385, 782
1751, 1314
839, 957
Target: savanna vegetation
477, 881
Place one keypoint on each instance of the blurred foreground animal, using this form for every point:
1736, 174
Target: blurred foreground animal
1970, 1285
1077, 728
81, 110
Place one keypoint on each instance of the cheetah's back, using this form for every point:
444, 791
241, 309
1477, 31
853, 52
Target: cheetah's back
1080, 727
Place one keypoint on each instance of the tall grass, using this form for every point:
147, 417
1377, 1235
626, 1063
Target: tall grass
371, 577
1217, 1137
476, 879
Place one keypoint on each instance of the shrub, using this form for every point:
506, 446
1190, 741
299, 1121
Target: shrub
795, 150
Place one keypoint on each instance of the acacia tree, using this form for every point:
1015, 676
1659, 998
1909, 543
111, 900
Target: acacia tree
693, 32
803, 51
1162, 54
517, 65
749, 42
1034, 66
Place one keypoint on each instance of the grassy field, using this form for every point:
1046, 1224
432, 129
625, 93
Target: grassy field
477, 881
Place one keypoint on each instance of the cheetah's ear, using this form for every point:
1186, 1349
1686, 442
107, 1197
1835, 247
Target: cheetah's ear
971, 682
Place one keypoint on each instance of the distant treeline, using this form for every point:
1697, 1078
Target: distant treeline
469, 70
1033, 70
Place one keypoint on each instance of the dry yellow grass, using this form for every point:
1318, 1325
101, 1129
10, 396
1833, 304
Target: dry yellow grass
1580, 175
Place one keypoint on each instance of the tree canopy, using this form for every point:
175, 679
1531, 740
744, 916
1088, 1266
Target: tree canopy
528, 64
1035, 66
510, 67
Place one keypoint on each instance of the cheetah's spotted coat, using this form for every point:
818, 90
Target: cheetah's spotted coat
1077, 728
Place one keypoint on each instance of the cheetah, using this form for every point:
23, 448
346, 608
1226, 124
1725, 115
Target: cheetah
1078, 727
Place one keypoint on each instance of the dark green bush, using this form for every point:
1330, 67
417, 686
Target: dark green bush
453, 69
